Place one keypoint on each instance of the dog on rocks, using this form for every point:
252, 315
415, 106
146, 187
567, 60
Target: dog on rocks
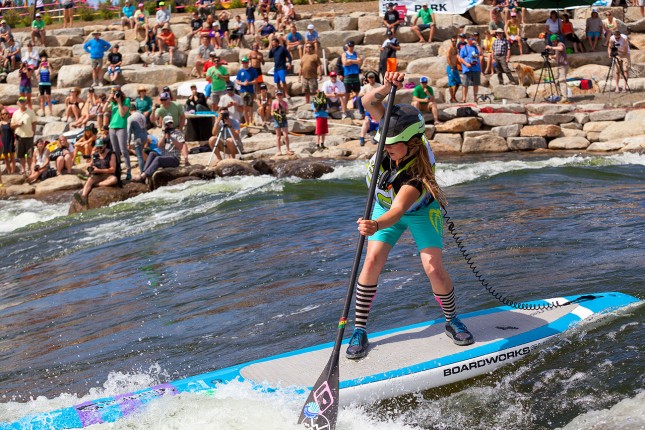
525, 75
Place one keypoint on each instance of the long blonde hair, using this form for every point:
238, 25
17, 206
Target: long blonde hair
422, 169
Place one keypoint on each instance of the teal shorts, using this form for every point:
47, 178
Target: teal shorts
426, 227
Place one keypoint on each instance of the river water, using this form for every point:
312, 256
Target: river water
205, 275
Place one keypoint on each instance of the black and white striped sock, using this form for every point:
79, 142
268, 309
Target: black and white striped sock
447, 303
364, 297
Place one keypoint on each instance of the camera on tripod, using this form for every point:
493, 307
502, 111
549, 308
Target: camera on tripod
545, 54
613, 51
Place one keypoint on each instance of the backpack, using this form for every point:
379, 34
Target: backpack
320, 101
465, 111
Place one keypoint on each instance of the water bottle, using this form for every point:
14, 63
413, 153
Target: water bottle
79, 157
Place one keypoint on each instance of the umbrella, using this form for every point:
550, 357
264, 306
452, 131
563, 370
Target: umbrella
561, 4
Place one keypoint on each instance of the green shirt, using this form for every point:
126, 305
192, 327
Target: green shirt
174, 110
143, 104
38, 25
217, 83
419, 93
425, 15
116, 120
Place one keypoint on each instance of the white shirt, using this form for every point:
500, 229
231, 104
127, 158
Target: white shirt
622, 42
330, 87
226, 99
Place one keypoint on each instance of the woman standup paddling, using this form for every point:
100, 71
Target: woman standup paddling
407, 196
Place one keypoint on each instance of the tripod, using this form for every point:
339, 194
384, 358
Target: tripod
223, 135
615, 62
550, 79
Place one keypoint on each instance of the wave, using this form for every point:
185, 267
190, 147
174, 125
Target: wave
628, 414
18, 214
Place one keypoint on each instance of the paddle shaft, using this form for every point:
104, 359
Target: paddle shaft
366, 215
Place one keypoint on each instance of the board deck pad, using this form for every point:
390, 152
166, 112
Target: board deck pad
401, 360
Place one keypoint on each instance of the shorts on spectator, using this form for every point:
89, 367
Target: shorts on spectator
352, 83
279, 76
472, 79
373, 126
24, 146
45, 89
424, 26
321, 126
96, 62
310, 85
114, 69
453, 76
68, 5
247, 98
280, 124
333, 104
259, 70
592, 34
250, 21
24, 89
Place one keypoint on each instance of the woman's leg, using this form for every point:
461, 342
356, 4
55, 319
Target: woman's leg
122, 137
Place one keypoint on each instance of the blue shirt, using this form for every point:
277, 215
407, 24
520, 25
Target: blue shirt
96, 48
249, 74
294, 37
280, 56
470, 54
128, 11
352, 69
311, 36
322, 113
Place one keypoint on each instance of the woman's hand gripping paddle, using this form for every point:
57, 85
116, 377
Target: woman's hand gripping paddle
321, 408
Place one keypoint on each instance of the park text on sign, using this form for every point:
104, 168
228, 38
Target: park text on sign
411, 7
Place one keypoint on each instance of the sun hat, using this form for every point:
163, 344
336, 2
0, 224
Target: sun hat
141, 88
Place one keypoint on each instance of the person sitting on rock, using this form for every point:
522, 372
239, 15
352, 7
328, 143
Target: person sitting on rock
226, 142
167, 42
311, 36
238, 29
369, 126
127, 19
265, 33
196, 102
104, 170
167, 107
115, 60
196, 23
162, 17
90, 111
424, 100
141, 17
85, 143
295, 42
336, 94
391, 20
203, 54
427, 21
173, 147
12, 54
63, 156
73, 104
38, 30
41, 170
5, 31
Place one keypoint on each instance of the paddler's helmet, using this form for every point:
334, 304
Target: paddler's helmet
406, 122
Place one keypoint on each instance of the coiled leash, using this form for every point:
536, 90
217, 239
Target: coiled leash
499, 296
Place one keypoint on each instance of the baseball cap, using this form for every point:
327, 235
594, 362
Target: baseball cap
168, 119
351, 43
476, 33
245, 59
141, 4
164, 96
99, 143
310, 27
553, 37
162, 3
332, 73
279, 93
423, 79
263, 86
462, 35
390, 5
38, 15
230, 87
22, 99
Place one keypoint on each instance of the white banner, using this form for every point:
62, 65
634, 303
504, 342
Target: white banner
438, 6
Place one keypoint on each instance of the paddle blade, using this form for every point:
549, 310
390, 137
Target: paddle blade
321, 408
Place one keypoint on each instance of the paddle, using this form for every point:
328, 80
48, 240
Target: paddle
321, 408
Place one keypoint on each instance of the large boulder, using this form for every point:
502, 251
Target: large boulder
569, 142
544, 130
433, 67
548, 108
448, 25
339, 38
345, 23
459, 125
59, 183
55, 128
635, 115
608, 146
369, 22
487, 142
590, 71
608, 115
622, 129
158, 75
78, 75
413, 51
499, 119
526, 143
510, 92
303, 169
104, 196
320, 24
446, 142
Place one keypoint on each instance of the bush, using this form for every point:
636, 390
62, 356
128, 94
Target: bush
85, 12
12, 16
48, 19
236, 4
105, 11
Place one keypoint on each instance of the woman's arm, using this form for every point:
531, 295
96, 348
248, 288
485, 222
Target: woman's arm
373, 100
402, 202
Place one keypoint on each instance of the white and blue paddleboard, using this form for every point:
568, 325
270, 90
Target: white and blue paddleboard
402, 360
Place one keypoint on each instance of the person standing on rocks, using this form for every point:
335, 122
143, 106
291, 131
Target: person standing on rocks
425, 13
282, 64
622, 55
470, 67
246, 78
279, 109
351, 69
218, 77
502, 55
97, 48
23, 123
250, 16
387, 59
310, 71
119, 107
256, 60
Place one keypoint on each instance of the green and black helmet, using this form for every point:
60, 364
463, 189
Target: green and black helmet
405, 123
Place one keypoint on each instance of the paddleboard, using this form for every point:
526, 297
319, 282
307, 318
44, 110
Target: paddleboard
400, 361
